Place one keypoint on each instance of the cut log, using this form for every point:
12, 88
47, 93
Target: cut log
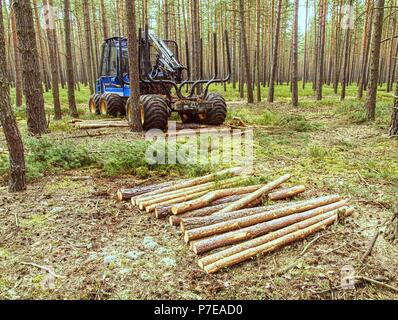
183, 198
214, 207
253, 231
268, 237
149, 200
128, 193
198, 222
210, 197
264, 216
176, 185
256, 195
286, 193
269, 246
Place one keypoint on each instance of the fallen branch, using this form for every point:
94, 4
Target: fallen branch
379, 283
370, 246
48, 269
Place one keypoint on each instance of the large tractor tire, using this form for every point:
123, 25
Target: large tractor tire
112, 104
153, 111
216, 115
94, 103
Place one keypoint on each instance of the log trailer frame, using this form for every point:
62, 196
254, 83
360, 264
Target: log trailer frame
162, 80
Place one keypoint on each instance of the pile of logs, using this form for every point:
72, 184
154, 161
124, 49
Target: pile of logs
216, 212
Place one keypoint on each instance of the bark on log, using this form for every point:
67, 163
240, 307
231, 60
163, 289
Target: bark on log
256, 195
214, 207
144, 200
253, 231
128, 193
176, 185
286, 193
183, 198
210, 197
268, 237
269, 246
198, 222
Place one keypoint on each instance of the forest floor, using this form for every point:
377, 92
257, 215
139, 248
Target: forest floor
97, 248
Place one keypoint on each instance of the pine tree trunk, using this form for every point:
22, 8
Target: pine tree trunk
50, 29
295, 56
321, 49
17, 62
166, 19
274, 63
36, 116
69, 61
346, 58
105, 28
365, 47
245, 52
374, 59
305, 45
7, 120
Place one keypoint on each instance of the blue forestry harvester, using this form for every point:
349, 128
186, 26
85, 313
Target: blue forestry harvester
162, 78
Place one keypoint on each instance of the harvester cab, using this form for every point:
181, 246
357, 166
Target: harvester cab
162, 80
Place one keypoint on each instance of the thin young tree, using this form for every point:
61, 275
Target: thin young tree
295, 56
245, 53
133, 103
7, 119
31, 79
274, 64
70, 74
374, 59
